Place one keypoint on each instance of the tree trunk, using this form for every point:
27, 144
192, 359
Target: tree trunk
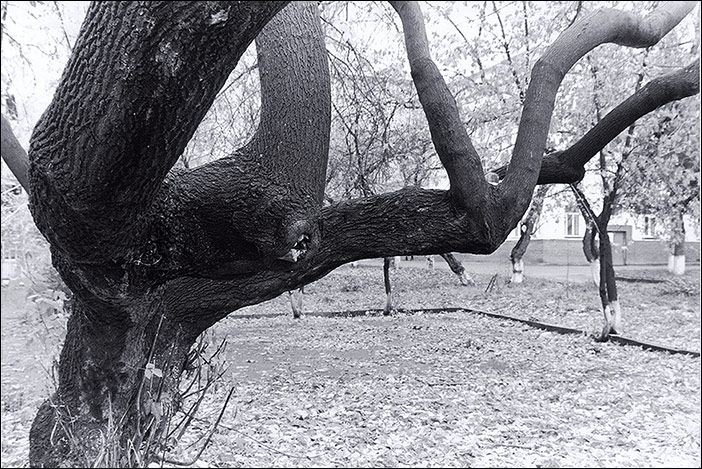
108, 411
131, 323
526, 228
591, 251
296, 301
608, 288
388, 287
517, 254
676, 258
458, 269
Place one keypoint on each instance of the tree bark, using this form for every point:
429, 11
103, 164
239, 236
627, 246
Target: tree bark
591, 250
388, 286
458, 269
608, 287
126, 344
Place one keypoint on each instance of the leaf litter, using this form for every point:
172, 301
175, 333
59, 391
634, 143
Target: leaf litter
451, 389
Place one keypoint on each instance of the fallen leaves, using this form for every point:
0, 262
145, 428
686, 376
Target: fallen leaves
448, 389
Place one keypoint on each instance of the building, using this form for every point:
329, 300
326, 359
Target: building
558, 239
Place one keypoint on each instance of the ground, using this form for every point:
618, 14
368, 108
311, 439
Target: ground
425, 389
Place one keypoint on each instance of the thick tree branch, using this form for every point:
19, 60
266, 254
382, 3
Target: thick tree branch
601, 27
423, 222
293, 104
568, 166
452, 144
14, 155
245, 212
140, 80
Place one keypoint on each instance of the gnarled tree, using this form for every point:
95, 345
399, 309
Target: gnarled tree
154, 256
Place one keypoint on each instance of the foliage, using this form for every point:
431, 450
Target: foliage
673, 189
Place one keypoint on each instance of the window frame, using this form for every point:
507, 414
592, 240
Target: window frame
575, 233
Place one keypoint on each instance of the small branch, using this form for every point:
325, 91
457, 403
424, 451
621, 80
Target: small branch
209, 437
14, 155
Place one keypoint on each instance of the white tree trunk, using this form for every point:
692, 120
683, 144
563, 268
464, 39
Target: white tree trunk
296, 303
388, 303
465, 280
595, 271
676, 264
616, 317
517, 271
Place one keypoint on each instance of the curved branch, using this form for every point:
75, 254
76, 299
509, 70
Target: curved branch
568, 166
288, 155
14, 155
601, 27
452, 144
295, 99
245, 212
141, 78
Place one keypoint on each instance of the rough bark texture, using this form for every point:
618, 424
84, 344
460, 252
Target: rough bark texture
154, 256
120, 227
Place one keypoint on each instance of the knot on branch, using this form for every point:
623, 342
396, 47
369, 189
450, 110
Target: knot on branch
283, 225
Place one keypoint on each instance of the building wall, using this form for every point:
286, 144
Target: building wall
630, 244
570, 252
553, 226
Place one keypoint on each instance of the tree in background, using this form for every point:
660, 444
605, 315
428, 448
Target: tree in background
666, 196
155, 255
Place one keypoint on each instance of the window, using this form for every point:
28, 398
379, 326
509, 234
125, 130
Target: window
649, 230
572, 227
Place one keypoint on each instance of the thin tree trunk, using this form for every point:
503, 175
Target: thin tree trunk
591, 251
388, 287
676, 263
676, 259
516, 257
458, 269
14, 155
296, 301
608, 288
527, 227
